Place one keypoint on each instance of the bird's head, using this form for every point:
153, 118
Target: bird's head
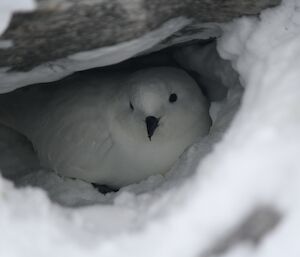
160, 105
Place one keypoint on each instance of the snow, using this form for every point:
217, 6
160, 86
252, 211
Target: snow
4, 44
255, 163
8, 7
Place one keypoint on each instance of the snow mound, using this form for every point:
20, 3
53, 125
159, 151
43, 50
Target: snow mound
251, 176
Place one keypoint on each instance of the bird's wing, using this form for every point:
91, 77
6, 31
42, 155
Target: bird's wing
73, 143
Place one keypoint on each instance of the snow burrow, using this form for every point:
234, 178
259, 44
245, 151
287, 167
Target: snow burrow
253, 166
215, 76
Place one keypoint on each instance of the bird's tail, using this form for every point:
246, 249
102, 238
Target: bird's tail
6, 117
10, 103
17, 107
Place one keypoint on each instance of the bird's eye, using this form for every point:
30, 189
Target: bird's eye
173, 98
131, 106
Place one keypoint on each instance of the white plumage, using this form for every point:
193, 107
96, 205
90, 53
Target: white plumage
115, 129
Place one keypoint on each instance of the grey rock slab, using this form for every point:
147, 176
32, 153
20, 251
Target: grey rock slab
59, 28
44, 45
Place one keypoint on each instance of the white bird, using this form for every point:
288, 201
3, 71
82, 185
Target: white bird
111, 130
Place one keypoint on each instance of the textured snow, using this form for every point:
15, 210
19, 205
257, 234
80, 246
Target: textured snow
255, 164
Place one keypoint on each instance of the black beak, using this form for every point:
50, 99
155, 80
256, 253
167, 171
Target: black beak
151, 124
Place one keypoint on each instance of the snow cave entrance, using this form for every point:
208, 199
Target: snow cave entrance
217, 80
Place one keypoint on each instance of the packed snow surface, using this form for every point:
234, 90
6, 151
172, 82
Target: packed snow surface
256, 163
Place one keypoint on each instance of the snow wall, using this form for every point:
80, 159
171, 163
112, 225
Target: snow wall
242, 200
